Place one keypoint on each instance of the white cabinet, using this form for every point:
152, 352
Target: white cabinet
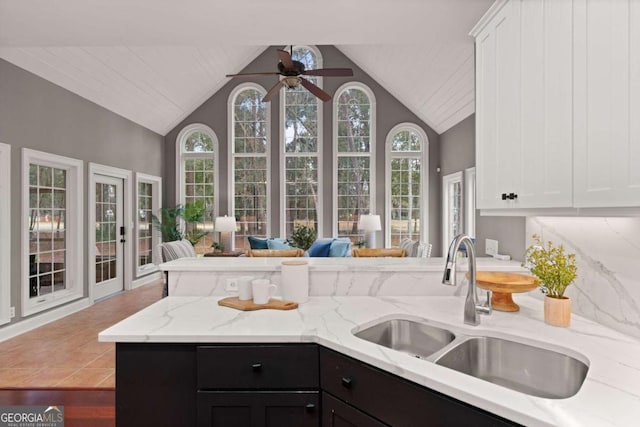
607, 103
558, 104
523, 105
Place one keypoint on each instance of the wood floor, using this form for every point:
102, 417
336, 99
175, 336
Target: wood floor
63, 363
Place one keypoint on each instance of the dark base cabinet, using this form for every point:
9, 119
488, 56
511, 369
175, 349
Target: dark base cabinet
336, 413
273, 385
258, 409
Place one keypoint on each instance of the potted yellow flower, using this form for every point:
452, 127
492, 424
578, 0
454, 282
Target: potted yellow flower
556, 271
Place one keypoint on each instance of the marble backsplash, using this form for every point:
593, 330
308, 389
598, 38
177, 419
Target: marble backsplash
607, 250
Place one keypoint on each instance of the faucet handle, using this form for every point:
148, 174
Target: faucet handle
485, 308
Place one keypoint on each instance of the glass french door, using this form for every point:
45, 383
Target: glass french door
452, 208
109, 229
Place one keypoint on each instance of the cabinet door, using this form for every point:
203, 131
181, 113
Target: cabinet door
607, 103
546, 172
336, 413
498, 151
258, 409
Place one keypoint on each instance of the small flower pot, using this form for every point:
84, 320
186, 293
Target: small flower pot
557, 311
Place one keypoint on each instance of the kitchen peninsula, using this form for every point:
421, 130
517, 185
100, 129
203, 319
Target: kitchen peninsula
327, 276
184, 356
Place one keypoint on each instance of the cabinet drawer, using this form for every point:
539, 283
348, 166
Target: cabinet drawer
251, 367
394, 400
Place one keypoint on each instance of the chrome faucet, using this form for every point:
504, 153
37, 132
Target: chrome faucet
471, 304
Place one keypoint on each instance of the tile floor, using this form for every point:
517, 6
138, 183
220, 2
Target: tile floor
66, 353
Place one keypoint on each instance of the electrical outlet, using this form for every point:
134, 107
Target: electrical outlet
231, 285
491, 247
12, 312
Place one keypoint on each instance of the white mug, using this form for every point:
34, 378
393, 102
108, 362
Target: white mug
263, 290
245, 292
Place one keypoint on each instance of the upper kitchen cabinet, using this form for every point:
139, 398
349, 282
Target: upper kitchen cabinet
557, 82
606, 103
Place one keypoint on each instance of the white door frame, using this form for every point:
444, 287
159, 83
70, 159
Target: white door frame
447, 180
127, 178
5, 233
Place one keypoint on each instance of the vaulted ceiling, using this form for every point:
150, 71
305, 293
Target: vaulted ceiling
155, 61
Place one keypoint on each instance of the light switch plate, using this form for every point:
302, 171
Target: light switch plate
491, 247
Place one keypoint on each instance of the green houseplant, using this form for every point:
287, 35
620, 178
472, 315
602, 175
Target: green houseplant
302, 237
556, 270
181, 222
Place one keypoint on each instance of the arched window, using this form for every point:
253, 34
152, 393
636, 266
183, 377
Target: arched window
197, 176
249, 183
301, 171
354, 158
407, 149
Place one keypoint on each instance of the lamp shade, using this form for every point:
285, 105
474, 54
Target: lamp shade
225, 223
369, 223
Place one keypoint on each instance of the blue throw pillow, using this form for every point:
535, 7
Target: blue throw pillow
340, 247
257, 243
278, 244
320, 248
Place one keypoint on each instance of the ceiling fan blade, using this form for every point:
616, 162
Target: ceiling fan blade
330, 72
315, 90
268, 73
273, 91
286, 60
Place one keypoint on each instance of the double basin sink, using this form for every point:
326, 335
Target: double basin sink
529, 369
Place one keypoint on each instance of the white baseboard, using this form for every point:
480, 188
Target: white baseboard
26, 325
146, 280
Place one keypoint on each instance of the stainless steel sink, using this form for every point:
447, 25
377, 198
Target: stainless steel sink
521, 367
416, 338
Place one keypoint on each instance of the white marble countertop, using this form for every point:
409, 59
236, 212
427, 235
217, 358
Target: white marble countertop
330, 264
610, 395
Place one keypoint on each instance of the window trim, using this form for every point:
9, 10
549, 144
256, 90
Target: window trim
180, 156
231, 155
371, 155
156, 237
446, 181
75, 216
283, 155
5, 233
470, 201
424, 178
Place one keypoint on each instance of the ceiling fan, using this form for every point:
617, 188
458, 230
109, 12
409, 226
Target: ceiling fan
292, 71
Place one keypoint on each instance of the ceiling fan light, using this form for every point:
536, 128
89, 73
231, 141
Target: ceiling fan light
291, 81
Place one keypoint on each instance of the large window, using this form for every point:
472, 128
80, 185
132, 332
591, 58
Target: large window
5, 233
406, 173
301, 169
148, 196
452, 207
52, 230
354, 140
197, 148
249, 163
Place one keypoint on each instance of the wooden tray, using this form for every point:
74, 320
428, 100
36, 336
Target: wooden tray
502, 285
274, 304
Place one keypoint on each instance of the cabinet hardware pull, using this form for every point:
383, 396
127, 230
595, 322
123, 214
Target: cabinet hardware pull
512, 196
310, 407
504, 196
346, 382
256, 366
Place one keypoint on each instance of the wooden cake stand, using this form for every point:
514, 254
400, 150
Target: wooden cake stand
502, 285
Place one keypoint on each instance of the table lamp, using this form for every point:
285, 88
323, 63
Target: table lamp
226, 225
370, 224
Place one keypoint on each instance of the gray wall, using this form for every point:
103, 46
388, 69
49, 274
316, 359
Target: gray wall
39, 115
389, 111
458, 147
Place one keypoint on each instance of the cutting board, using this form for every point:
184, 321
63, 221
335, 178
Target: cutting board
274, 304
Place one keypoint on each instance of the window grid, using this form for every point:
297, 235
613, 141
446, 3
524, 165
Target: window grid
354, 155
106, 233
145, 226
198, 151
300, 148
47, 233
249, 166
